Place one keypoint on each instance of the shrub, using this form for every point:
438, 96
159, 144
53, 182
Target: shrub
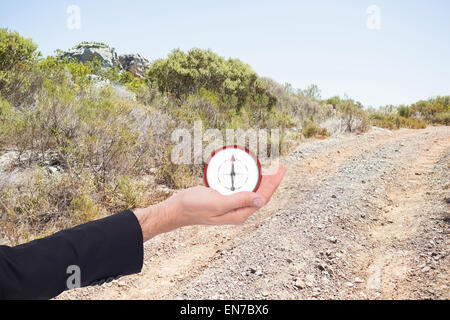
123, 193
179, 176
18, 77
355, 118
441, 118
412, 123
430, 110
323, 132
82, 208
310, 130
16, 52
394, 121
42, 204
403, 111
186, 73
6, 121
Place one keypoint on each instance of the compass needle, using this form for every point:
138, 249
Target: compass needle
233, 159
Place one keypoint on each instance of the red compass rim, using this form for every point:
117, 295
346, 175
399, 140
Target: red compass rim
234, 147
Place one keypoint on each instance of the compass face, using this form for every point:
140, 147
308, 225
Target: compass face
233, 169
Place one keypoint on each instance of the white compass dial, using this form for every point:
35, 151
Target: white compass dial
233, 169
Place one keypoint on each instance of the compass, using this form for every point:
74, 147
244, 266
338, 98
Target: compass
233, 169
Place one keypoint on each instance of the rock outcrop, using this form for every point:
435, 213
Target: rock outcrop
88, 52
134, 63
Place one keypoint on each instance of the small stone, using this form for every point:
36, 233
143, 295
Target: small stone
299, 283
265, 293
52, 170
332, 239
358, 280
426, 269
309, 280
321, 267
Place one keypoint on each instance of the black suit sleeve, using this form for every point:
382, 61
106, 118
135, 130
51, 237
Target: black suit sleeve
103, 250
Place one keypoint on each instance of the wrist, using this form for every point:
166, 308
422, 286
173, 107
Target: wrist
157, 219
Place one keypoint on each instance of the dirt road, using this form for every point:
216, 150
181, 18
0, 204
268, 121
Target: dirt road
357, 217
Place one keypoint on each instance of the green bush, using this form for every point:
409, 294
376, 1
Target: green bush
183, 73
6, 121
310, 130
404, 111
441, 118
430, 110
412, 123
18, 79
354, 116
16, 51
394, 121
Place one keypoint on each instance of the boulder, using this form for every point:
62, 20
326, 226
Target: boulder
88, 52
134, 63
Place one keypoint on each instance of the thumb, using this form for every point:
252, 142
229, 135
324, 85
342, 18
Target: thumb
242, 200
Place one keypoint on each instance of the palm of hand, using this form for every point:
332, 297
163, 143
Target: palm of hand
202, 205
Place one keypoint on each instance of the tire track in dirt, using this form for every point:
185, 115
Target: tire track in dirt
389, 271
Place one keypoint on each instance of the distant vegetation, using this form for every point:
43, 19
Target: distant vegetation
90, 43
435, 111
102, 147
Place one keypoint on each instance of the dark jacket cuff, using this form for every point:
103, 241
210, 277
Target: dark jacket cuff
102, 249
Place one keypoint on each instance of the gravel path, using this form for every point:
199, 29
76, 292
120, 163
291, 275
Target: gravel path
357, 216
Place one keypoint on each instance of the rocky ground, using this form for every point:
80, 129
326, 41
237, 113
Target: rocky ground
357, 217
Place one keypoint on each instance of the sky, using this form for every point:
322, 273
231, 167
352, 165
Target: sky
376, 52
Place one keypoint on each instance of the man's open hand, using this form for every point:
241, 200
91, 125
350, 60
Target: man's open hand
206, 206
